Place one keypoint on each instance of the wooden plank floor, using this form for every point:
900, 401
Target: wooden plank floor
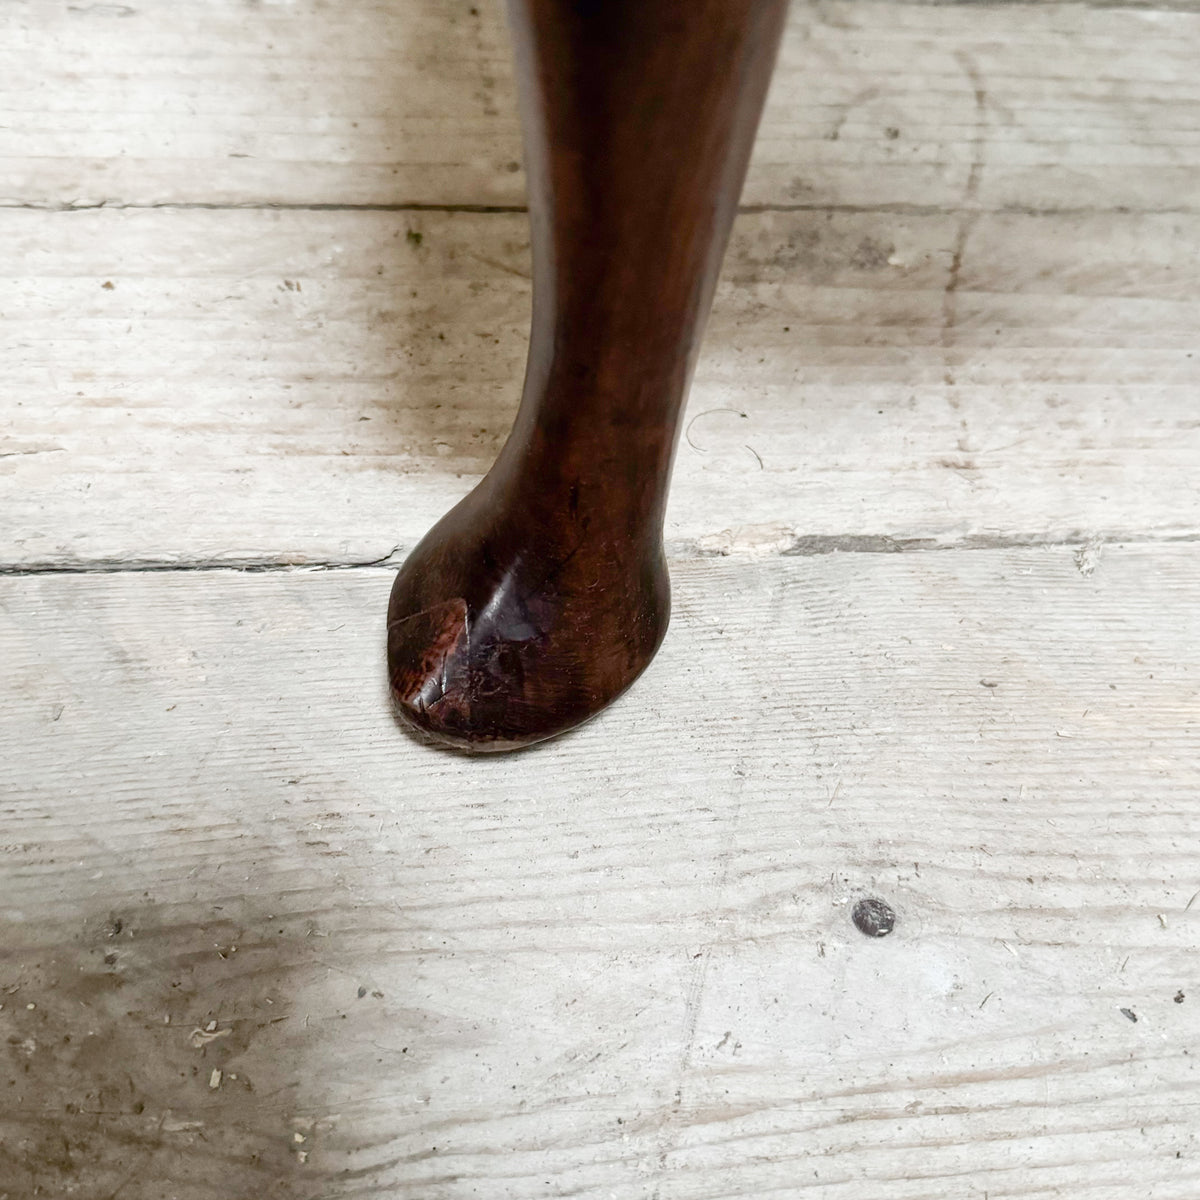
934, 538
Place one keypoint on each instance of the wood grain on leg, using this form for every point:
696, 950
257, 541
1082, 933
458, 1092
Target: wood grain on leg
544, 594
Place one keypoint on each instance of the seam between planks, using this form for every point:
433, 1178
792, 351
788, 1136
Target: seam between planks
801, 546
911, 210
1185, 6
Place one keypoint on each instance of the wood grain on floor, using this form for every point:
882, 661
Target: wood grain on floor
626, 957
329, 383
876, 104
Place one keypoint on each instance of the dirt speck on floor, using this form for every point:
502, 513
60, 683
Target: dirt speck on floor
111, 1036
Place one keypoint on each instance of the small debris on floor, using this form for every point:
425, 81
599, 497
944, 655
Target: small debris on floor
1128, 1012
214, 1080
1179, 997
199, 1038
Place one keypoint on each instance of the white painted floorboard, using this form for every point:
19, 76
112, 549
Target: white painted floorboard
622, 964
320, 387
412, 101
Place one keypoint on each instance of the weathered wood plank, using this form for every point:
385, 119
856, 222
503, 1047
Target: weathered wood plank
620, 965
285, 386
1040, 106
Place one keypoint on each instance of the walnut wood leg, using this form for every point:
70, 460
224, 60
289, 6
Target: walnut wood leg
544, 594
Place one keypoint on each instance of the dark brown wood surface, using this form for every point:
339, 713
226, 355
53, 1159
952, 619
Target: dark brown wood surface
544, 594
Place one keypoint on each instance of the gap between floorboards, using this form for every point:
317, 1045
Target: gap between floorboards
906, 210
800, 546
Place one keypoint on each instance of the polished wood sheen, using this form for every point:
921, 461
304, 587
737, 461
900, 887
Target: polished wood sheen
544, 594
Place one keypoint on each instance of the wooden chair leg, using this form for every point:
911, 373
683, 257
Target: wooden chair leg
544, 594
